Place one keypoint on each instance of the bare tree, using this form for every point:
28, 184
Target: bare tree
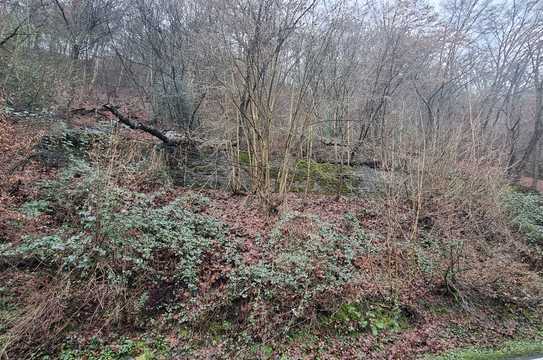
259, 40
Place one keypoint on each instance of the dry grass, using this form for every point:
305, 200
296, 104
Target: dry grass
60, 304
445, 207
133, 164
42, 321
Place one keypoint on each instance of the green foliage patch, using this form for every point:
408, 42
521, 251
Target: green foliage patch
139, 349
35, 208
362, 316
526, 213
305, 265
111, 228
323, 177
509, 350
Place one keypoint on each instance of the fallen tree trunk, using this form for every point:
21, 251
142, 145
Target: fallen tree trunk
139, 126
168, 137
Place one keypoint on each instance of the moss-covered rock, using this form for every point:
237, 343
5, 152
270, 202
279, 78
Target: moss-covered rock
322, 177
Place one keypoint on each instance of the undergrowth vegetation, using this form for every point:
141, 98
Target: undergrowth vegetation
323, 177
117, 244
127, 253
118, 255
304, 269
125, 236
526, 212
272, 179
352, 318
147, 349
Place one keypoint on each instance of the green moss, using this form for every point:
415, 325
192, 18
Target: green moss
506, 351
323, 177
202, 168
244, 158
184, 332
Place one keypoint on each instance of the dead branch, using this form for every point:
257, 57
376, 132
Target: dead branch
11, 35
138, 125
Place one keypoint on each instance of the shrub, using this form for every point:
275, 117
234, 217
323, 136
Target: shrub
109, 227
30, 81
35, 208
305, 264
64, 146
525, 210
113, 249
132, 238
125, 349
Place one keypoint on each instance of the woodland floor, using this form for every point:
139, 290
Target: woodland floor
432, 321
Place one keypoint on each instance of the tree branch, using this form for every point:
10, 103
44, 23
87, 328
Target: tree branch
137, 125
10, 35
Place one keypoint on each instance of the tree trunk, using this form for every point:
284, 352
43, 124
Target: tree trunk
538, 130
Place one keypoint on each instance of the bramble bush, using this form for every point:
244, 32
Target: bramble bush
122, 230
305, 265
116, 232
113, 247
525, 210
147, 349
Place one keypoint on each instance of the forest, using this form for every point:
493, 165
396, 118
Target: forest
271, 179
